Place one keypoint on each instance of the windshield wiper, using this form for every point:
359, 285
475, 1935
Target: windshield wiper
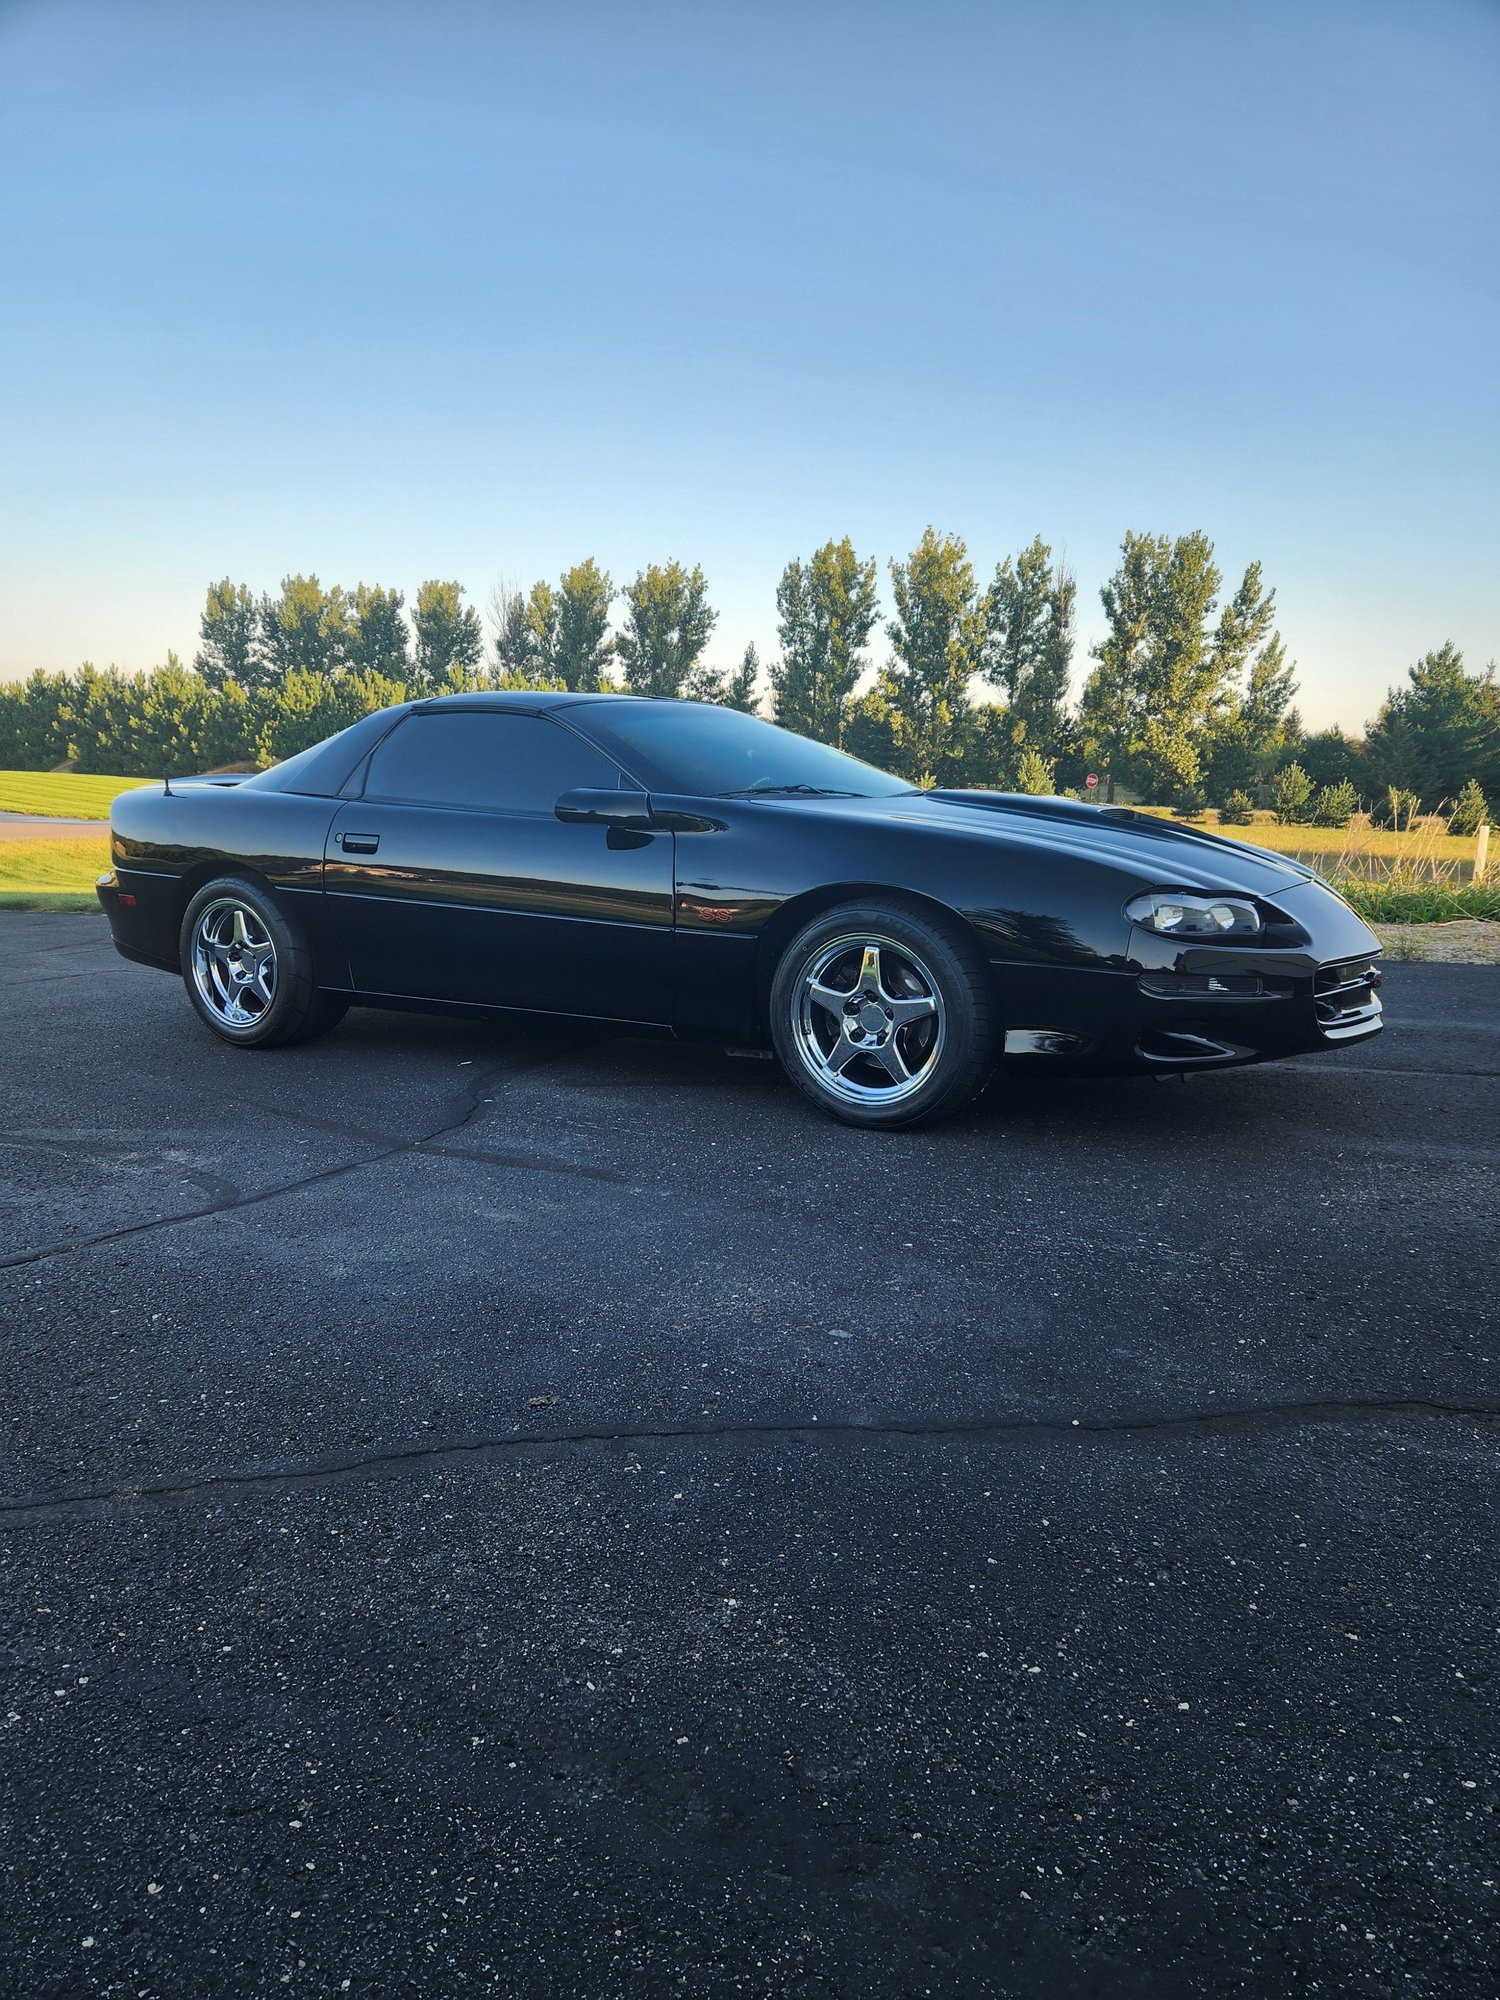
782, 791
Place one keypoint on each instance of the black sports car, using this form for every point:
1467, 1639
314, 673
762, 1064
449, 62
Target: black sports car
685, 866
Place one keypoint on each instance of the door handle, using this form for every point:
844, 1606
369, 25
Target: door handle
359, 843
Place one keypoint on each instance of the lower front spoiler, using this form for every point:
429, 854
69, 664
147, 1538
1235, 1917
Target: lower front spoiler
1163, 1023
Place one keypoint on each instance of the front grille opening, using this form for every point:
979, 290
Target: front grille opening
1345, 996
1201, 985
1176, 1045
1343, 991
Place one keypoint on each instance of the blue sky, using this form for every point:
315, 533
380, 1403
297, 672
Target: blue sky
388, 292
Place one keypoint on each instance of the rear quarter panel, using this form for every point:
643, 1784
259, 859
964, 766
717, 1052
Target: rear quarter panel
164, 846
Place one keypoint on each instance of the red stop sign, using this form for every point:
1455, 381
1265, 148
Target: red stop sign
1091, 780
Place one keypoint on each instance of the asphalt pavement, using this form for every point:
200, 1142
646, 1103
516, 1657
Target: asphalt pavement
499, 1509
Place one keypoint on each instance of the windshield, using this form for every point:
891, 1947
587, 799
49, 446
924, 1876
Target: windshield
689, 746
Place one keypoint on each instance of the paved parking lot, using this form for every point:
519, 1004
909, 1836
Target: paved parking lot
500, 1510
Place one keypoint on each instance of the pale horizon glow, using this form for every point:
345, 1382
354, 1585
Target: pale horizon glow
387, 293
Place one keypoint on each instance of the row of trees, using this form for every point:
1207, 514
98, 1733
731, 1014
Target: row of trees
273, 675
1188, 700
558, 636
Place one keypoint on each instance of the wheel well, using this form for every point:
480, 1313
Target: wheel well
800, 910
193, 879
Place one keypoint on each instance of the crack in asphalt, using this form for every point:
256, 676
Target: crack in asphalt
1246, 1420
125, 1153
435, 1145
425, 1142
512, 1156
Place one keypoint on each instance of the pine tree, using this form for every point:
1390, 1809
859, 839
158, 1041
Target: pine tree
512, 637
1329, 757
40, 728
873, 731
1250, 723
100, 713
229, 633
449, 640
1293, 793
304, 630
582, 648
1162, 681
938, 640
1440, 730
1034, 775
12, 727
742, 690
1471, 809
378, 641
1111, 710
1029, 611
224, 726
1334, 805
539, 624
736, 690
307, 707
826, 610
668, 623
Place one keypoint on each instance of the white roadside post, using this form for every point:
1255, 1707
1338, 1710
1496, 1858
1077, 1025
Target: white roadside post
1481, 853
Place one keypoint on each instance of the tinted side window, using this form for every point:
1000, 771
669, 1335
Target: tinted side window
504, 763
321, 771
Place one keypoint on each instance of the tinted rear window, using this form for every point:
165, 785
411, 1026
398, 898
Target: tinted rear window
322, 770
496, 763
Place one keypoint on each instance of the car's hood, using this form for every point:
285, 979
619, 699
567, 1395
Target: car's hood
1162, 853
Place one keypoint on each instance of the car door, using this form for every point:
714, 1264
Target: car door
452, 879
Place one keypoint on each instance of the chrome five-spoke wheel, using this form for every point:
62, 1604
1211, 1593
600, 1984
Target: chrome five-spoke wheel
869, 1020
234, 964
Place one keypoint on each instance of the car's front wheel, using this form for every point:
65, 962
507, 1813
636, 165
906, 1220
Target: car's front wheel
248, 970
882, 1016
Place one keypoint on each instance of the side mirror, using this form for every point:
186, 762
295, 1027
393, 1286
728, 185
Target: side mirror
630, 811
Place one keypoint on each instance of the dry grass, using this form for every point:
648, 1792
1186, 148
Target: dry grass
1427, 840
1423, 851
1414, 873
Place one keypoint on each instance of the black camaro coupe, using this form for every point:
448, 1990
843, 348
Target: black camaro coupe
678, 865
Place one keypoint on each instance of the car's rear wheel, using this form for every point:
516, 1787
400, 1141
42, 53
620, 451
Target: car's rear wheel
248, 969
882, 1016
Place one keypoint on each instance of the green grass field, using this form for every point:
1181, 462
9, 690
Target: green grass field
52, 874
62, 794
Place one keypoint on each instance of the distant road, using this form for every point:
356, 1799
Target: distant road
34, 826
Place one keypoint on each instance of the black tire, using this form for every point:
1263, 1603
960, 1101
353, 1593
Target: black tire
846, 1050
248, 969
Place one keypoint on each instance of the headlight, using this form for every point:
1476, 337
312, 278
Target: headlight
1176, 913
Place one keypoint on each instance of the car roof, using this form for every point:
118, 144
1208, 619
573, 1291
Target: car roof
536, 700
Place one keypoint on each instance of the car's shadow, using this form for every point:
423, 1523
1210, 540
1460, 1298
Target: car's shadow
747, 1092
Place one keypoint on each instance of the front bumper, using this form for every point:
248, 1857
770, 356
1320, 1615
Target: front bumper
1174, 1006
